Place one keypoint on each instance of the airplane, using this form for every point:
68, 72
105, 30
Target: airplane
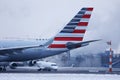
69, 38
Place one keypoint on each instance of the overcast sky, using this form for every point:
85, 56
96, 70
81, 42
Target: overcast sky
44, 18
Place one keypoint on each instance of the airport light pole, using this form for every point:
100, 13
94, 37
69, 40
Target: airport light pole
110, 61
110, 56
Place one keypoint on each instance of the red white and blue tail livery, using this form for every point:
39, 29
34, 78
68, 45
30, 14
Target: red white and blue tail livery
74, 31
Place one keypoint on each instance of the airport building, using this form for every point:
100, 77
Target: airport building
105, 59
88, 60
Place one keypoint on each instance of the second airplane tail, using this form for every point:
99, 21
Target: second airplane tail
74, 31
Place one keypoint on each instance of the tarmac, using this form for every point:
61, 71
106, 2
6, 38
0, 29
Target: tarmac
68, 70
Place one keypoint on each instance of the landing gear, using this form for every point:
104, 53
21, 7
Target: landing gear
2, 68
44, 69
49, 70
39, 69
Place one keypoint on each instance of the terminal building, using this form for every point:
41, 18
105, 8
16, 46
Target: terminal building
88, 60
105, 59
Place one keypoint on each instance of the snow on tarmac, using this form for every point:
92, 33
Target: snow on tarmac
40, 76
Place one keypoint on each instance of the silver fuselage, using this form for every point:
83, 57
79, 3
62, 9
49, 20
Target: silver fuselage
27, 54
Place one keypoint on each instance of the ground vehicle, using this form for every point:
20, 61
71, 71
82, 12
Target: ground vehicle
46, 66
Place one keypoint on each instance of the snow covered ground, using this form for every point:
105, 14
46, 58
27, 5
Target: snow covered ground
40, 76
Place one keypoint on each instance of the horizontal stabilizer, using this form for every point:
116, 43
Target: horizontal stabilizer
72, 45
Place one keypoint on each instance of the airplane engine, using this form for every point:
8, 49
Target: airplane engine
32, 63
14, 65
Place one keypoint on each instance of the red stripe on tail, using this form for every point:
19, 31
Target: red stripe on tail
86, 16
89, 9
68, 38
57, 46
79, 31
82, 23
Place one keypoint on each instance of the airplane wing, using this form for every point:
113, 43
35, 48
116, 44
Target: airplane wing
10, 50
71, 45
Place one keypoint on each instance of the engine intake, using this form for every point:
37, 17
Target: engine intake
14, 65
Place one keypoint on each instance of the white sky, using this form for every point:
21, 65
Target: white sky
44, 18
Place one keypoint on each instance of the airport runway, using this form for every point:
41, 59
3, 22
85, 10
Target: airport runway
68, 70
46, 76
63, 73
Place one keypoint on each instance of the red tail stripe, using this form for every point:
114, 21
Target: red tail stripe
86, 16
79, 31
57, 46
82, 23
68, 38
89, 9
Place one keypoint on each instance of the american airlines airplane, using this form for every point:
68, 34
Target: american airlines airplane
69, 38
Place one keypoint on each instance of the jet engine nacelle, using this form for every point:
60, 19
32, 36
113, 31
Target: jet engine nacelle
14, 65
32, 63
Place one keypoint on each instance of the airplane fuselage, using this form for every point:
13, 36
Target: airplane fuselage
27, 54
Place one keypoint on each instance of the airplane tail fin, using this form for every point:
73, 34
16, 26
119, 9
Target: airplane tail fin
74, 31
